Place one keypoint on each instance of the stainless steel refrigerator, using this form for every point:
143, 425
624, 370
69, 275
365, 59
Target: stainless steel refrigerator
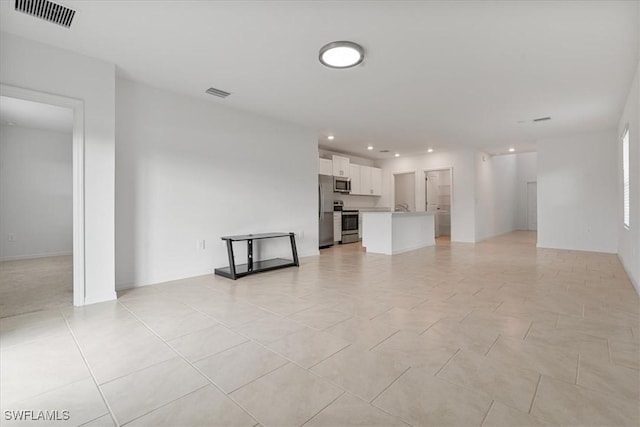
325, 210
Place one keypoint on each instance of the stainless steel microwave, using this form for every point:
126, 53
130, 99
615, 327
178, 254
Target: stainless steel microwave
341, 185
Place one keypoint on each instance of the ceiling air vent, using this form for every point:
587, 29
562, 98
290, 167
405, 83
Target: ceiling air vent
542, 119
217, 92
47, 10
384, 151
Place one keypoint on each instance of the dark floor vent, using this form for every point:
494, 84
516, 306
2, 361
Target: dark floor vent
47, 10
217, 92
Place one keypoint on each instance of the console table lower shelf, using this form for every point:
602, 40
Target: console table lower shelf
234, 271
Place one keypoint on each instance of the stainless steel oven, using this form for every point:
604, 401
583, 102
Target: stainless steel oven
350, 226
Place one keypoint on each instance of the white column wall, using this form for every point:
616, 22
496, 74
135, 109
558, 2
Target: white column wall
577, 201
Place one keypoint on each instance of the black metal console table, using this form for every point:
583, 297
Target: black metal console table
235, 271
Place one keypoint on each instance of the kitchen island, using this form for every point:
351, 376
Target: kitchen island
392, 233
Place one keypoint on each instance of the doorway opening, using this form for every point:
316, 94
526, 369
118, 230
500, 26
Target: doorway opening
41, 201
438, 198
404, 185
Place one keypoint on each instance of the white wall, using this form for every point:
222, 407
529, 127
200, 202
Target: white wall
188, 169
405, 190
527, 171
463, 186
36, 197
629, 239
39, 67
496, 195
577, 176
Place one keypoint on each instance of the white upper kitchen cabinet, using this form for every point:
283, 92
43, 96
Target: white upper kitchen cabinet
341, 166
325, 167
376, 181
356, 186
370, 181
365, 180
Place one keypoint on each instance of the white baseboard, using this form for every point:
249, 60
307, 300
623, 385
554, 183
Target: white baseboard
35, 256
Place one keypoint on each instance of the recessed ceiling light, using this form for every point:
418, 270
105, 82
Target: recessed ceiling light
330, 137
341, 54
430, 150
370, 147
511, 150
397, 154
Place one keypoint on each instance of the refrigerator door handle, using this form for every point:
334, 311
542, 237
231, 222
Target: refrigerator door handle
321, 207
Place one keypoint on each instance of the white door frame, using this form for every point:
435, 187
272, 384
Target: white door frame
77, 105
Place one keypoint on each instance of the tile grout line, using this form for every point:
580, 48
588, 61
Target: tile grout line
384, 339
380, 314
493, 345
163, 405
256, 379
323, 408
431, 326
93, 377
528, 330
477, 292
392, 383
328, 357
216, 353
484, 420
447, 362
535, 394
190, 364
498, 306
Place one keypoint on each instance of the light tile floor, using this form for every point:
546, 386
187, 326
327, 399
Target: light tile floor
35, 284
493, 334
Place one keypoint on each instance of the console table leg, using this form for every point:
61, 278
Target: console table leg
250, 255
232, 261
294, 251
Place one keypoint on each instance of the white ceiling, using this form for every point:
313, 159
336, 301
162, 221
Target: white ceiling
436, 74
18, 112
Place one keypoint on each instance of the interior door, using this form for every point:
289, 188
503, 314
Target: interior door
532, 205
431, 186
432, 192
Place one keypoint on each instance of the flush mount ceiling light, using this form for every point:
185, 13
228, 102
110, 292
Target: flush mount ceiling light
397, 154
370, 147
511, 150
330, 137
430, 150
341, 54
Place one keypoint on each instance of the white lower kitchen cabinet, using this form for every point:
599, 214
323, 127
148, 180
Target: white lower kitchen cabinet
337, 227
